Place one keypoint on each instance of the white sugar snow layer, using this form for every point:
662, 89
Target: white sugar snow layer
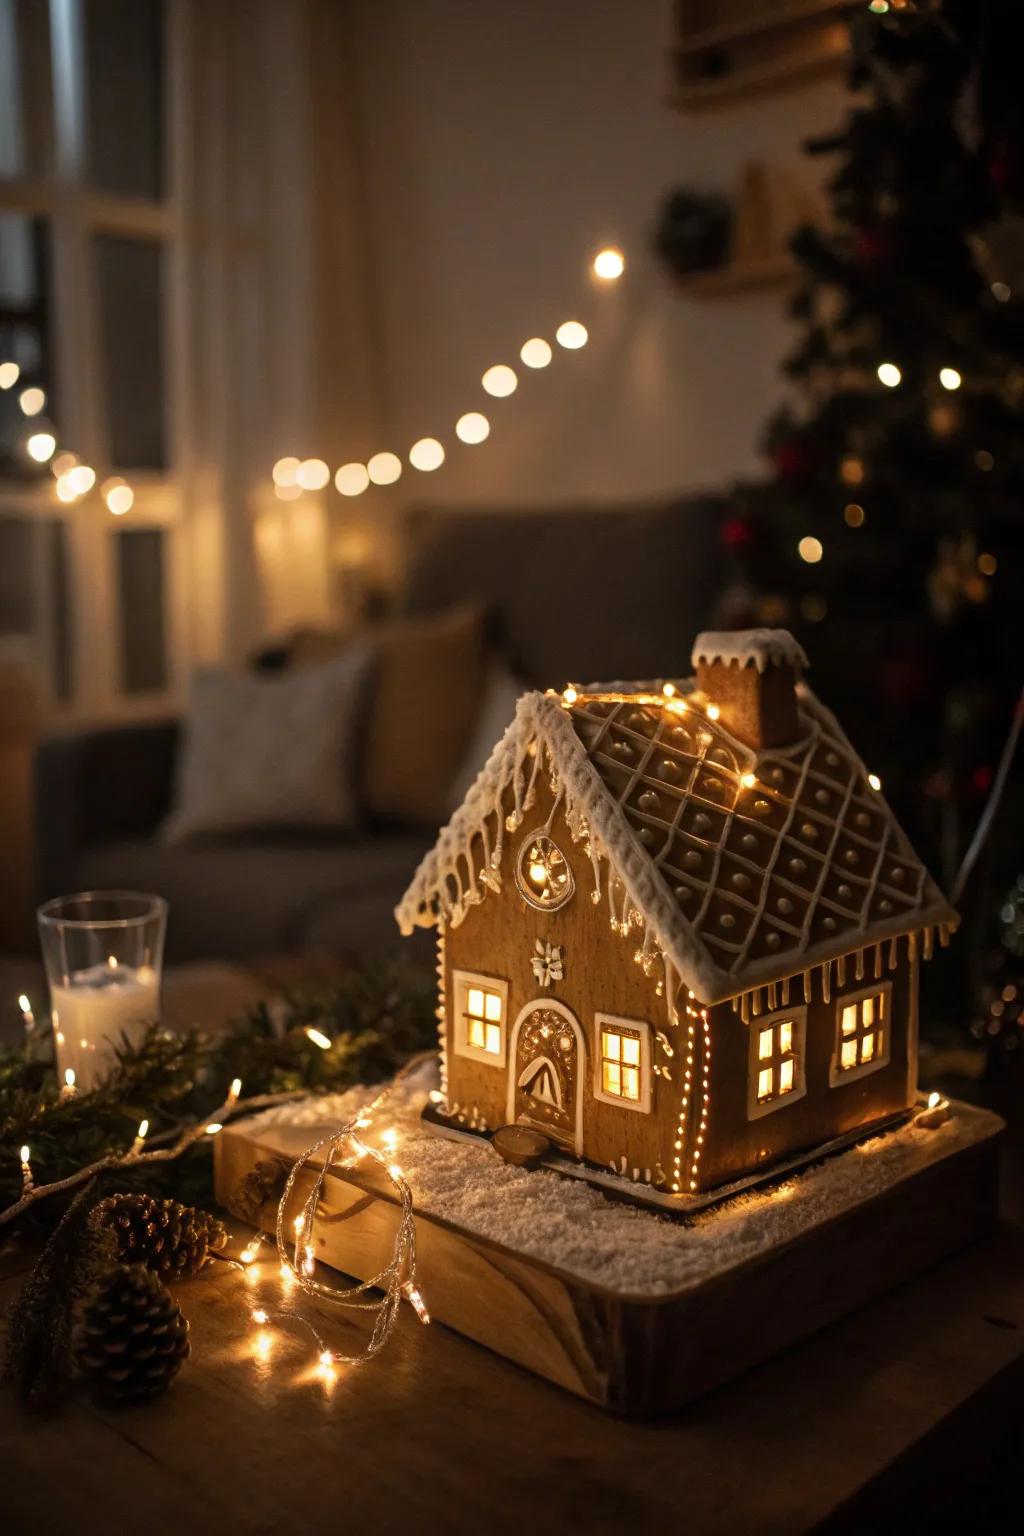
569, 1224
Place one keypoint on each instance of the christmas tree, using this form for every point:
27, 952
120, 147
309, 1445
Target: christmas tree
891, 526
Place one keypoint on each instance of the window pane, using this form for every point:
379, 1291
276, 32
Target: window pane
26, 111
786, 1077
493, 1005
130, 278
124, 70
140, 578
475, 1004
25, 322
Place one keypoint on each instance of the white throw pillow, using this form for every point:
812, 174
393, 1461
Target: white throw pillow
497, 709
262, 753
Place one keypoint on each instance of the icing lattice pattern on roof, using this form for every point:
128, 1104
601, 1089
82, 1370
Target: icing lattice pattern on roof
742, 868
769, 856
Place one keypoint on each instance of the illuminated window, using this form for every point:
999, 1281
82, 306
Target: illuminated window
543, 874
622, 1073
862, 1034
776, 1073
480, 1005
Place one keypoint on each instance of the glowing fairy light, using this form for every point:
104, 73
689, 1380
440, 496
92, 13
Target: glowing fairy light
934, 1100
10, 373
260, 1316
810, 549
214, 1128
426, 455
119, 497
285, 471
949, 378
669, 690
234, 1091
572, 335
26, 1170
609, 264
312, 475
81, 479
32, 400
472, 428
536, 353
569, 695
352, 479
748, 780
384, 468
889, 375
28, 1018
713, 711
874, 781
500, 381
389, 1139
318, 1037
41, 446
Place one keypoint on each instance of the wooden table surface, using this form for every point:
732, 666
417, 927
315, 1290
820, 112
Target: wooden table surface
901, 1402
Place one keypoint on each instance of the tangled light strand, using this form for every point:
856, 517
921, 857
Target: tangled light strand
397, 1279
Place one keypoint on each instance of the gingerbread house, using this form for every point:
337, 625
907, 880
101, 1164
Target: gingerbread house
679, 929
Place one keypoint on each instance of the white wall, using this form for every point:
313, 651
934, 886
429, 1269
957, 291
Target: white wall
501, 144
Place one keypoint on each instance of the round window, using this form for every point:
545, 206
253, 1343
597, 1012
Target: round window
543, 874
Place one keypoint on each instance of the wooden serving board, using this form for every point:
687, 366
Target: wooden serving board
641, 1354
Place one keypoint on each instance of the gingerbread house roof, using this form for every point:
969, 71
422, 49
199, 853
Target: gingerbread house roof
741, 867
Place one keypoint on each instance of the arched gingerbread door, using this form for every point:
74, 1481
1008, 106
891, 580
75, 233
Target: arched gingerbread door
546, 1072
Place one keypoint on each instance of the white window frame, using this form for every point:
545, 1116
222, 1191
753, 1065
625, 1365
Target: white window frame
757, 1109
838, 1075
461, 983
76, 211
603, 1021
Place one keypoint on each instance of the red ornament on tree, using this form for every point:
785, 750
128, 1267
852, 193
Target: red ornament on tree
873, 247
737, 533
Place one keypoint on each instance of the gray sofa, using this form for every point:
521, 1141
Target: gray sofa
586, 594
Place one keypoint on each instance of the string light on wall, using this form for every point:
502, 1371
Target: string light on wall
500, 381
949, 378
118, 495
384, 468
352, 479
572, 335
536, 353
292, 476
889, 375
472, 428
426, 455
10, 373
609, 264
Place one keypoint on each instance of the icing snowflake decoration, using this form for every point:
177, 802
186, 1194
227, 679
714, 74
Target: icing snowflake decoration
547, 962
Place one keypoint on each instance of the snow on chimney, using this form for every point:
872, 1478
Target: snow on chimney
751, 675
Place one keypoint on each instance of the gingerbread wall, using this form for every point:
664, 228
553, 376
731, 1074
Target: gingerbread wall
498, 938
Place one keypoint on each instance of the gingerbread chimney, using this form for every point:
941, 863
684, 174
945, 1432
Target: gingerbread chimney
751, 675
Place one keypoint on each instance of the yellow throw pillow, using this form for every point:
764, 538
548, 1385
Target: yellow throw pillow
429, 679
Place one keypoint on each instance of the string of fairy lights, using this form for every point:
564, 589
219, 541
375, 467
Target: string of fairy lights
74, 478
292, 476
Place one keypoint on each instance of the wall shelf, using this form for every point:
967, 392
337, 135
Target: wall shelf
739, 277
726, 50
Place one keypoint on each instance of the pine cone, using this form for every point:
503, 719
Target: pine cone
173, 1240
130, 1338
264, 1182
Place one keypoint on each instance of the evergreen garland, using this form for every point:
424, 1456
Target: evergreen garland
377, 1015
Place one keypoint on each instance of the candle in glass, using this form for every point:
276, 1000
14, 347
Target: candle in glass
103, 954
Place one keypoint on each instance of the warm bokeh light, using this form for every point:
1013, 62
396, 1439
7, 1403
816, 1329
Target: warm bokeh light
853, 515
609, 264
874, 781
64, 489
63, 463
571, 334
810, 549
987, 564
119, 497
81, 479
312, 475
426, 455
984, 460
32, 400
472, 428
41, 446
352, 479
285, 471
949, 378
500, 380
384, 468
287, 492
889, 374
851, 471
536, 353
10, 373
